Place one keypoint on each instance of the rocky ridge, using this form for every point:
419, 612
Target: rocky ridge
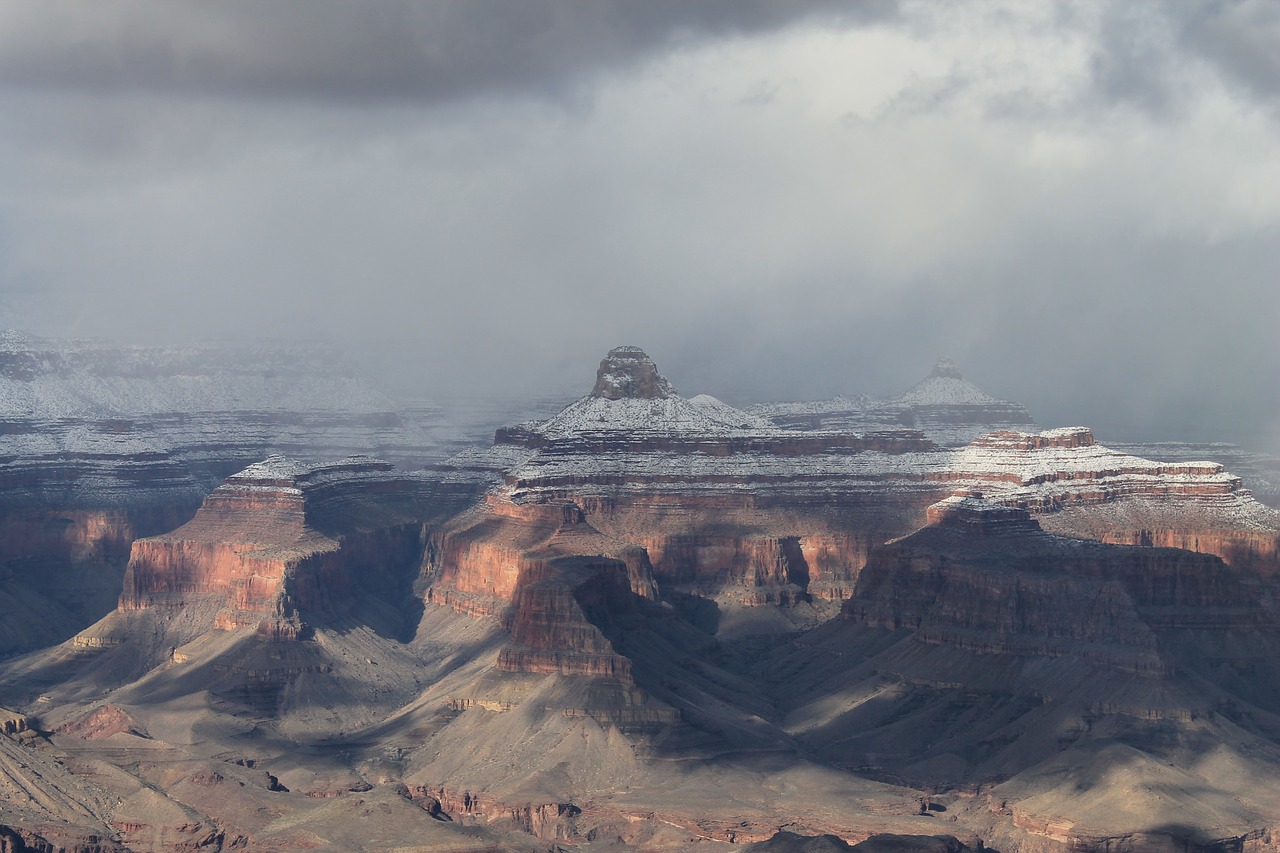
985, 652
101, 444
725, 504
624, 646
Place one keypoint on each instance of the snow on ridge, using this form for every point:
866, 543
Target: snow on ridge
52, 378
948, 409
944, 391
669, 415
1064, 432
835, 405
275, 467
725, 413
1037, 472
278, 468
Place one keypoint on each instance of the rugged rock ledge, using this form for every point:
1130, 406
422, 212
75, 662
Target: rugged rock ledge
727, 505
282, 542
984, 577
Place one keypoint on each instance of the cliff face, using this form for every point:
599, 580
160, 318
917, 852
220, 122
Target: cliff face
101, 444
61, 570
1080, 488
557, 583
283, 542
559, 616
984, 577
728, 506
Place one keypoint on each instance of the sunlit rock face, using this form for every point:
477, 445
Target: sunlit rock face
719, 502
282, 542
1078, 487
101, 444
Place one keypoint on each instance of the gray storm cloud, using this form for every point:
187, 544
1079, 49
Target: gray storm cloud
1079, 202
387, 50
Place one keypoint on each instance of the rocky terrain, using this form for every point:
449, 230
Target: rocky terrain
731, 509
101, 444
1085, 691
1259, 471
656, 622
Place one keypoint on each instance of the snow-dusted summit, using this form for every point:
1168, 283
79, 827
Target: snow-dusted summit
944, 386
631, 397
946, 407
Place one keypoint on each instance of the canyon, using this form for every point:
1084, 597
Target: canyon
644, 622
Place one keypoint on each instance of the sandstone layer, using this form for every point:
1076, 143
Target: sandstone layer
281, 542
729, 507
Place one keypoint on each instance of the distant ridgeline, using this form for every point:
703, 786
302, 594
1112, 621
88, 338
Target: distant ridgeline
644, 622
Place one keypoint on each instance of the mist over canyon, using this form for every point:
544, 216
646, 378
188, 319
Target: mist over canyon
558, 425
646, 621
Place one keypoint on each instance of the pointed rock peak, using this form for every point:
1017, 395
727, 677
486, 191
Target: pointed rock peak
628, 373
946, 369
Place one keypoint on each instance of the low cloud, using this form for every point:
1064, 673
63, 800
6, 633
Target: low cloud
1078, 202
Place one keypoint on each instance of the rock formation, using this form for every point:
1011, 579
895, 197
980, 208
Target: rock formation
668, 624
102, 444
280, 542
985, 577
722, 503
1078, 487
981, 649
729, 507
1260, 472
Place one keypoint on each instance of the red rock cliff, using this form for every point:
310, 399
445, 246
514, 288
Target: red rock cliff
280, 542
986, 578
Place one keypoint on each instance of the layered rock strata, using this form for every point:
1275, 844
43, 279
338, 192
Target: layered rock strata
1080, 488
984, 577
1259, 471
281, 540
101, 444
206, 407
1067, 688
725, 504
720, 501
557, 583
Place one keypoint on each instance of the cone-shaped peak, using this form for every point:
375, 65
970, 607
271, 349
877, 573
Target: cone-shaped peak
629, 373
946, 368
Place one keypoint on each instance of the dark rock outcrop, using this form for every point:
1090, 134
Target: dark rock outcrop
629, 372
984, 577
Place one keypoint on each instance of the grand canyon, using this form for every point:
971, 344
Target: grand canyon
249, 605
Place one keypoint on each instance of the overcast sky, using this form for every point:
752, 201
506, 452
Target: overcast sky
1079, 202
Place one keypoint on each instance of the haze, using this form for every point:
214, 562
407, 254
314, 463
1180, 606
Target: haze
1078, 202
